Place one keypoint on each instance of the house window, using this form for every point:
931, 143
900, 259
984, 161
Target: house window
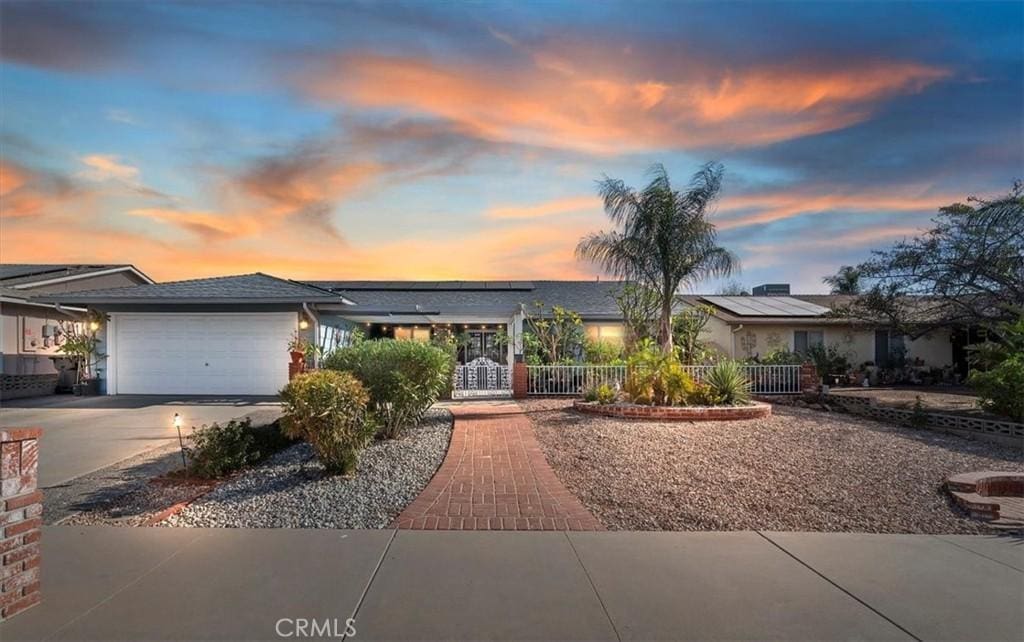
890, 349
412, 334
804, 339
610, 332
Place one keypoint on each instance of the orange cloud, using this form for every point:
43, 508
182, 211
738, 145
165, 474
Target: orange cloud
105, 166
209, 225
587, 107
566, 205
756, 209
26, 193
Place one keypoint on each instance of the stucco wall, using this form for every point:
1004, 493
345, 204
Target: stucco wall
17, 360
934, 349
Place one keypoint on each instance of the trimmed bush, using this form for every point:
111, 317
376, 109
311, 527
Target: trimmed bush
219, 449
1001, 389
328, 410
728, 383
403, 378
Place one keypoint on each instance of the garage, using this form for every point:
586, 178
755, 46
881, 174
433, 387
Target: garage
225, 335
217, 354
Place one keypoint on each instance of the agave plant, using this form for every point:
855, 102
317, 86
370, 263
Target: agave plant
728, 383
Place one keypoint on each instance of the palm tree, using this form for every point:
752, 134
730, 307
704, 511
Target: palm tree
845, 281
663, 240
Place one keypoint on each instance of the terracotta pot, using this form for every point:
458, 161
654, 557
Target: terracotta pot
298, 357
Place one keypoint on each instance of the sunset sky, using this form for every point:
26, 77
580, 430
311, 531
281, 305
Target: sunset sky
450, 140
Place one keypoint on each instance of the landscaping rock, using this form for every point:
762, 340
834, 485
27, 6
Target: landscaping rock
798, 470
291, 490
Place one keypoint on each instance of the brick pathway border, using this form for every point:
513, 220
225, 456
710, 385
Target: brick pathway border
495, 477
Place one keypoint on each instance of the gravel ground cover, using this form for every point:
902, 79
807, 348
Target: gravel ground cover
798, 470
953, 401
290, 490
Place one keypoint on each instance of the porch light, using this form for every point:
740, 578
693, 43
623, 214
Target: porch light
94, 325
303, 324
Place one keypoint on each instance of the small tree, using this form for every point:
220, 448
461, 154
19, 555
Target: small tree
81, 345
687, 327
639, 306
558, 335
967, 270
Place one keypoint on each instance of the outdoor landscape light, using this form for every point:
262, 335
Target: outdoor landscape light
181, 442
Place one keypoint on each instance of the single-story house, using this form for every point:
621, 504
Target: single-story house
228, 335
29, 329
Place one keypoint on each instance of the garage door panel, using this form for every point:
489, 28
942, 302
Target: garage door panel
203, 354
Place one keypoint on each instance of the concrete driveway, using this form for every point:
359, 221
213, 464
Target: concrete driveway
83, 434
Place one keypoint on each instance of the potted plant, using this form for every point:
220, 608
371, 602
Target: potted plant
81, 347
298, 346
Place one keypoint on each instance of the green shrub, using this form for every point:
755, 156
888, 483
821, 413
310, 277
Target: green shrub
602, 352
602, 394
1001, 388
653, 377
703, 395
218, 449
828, 359
403, 378
728, 383
781, 357
328, 410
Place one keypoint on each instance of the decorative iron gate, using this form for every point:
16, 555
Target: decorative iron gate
482, 377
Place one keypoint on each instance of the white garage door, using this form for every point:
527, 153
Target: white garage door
202, 354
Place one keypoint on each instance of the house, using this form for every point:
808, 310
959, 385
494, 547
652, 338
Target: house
30, 335
228, 335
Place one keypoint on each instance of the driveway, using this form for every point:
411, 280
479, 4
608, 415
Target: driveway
83, 434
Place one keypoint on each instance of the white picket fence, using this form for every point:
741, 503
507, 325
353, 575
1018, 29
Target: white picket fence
574, 379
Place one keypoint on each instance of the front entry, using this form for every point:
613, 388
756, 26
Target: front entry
482, 377
476, 344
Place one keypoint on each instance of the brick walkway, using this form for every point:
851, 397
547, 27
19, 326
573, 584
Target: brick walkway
495, 477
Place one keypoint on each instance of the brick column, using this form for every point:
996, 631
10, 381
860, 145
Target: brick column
519, 382
20, 519
810, 382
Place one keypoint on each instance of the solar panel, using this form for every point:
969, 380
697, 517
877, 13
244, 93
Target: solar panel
768, 306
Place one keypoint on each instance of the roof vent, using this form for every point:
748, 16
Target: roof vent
771, 289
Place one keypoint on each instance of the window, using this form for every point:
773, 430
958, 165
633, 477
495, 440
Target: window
610, 332
804, 339
412, 334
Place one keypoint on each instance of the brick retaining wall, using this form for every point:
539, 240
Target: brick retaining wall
20, 518
676, 413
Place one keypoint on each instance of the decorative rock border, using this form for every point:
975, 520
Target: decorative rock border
756, 410
978, 493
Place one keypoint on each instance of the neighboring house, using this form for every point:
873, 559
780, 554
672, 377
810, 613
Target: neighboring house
228, 335
755, 326
29, 329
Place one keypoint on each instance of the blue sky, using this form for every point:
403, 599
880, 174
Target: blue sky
457, 140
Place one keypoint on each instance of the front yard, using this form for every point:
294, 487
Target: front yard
798, 470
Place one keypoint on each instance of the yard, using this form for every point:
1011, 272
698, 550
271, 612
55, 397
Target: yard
798, 470
946, 400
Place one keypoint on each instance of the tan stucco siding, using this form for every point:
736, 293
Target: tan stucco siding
934, 348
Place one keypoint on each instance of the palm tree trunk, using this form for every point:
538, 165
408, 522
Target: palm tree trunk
665, 323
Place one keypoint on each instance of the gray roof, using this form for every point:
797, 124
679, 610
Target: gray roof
244, 288
591, 299
21, 273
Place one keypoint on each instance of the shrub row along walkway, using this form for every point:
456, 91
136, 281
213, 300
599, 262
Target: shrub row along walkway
495, 477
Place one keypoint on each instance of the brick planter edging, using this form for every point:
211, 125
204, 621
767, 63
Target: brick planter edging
971, 491
756, 410
21, 511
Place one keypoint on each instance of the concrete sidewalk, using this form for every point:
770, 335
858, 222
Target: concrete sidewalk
139, 584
